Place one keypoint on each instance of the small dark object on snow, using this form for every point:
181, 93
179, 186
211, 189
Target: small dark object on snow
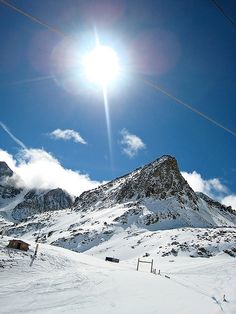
167, 276
112, 259
18, 244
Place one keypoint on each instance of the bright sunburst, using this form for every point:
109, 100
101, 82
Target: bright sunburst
101, 65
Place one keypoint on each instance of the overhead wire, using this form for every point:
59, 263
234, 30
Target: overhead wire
190, 107
147, 82
34, 19
223, 12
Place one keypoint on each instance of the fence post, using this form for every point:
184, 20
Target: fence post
137, 264
35, 254
151, 265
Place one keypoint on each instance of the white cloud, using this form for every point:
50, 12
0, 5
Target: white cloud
67, 135
212, 187
229, 200
5, 156
37, 168
131, 143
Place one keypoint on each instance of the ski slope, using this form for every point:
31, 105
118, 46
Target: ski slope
62, 281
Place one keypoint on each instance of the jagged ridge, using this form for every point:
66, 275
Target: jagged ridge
36, 202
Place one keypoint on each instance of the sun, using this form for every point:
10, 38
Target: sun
101, 65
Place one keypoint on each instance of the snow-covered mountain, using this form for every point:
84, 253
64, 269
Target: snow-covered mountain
126, 210
155, 194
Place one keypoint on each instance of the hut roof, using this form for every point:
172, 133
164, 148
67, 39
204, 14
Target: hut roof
19, 241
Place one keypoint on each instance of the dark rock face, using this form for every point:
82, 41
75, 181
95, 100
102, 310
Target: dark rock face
7, 190
40, 201
5, 171
159, 180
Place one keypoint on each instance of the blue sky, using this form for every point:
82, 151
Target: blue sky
187, 47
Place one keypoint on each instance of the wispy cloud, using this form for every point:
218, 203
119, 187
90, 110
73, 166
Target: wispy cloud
36, 168
15, 139
131, 144
67, 135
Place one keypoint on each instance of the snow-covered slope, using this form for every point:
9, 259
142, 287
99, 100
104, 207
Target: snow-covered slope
61, 281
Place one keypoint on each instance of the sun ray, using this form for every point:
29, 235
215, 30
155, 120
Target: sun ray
108, 123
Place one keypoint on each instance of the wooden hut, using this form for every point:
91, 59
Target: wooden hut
18, 245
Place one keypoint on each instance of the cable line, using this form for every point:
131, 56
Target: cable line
147, 82
190, 107
223, 13
34, 19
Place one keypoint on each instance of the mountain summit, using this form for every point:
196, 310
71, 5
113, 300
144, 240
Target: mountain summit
159, 180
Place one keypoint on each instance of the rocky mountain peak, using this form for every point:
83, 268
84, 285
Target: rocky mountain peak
159, 180
162, 167
165, 159
5, 171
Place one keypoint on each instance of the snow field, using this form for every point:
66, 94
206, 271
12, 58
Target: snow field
62, 281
